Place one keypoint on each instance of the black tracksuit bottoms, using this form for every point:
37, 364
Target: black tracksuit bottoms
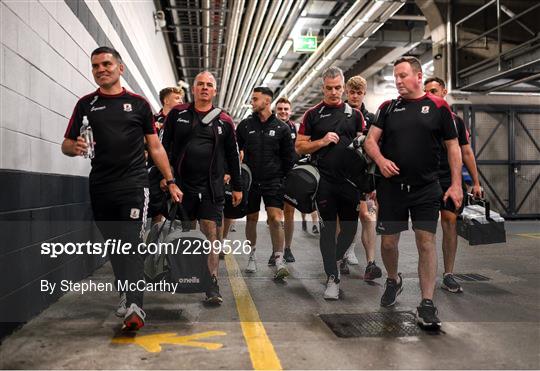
121, 215
336, 200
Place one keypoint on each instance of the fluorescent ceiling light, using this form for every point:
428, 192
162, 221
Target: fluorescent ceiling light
285, 48
267, 79
276, 65
357, 26
322, 64
376, 6
336, 49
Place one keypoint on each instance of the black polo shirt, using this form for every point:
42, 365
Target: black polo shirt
413, 135
463, 139
322, 119
119, 123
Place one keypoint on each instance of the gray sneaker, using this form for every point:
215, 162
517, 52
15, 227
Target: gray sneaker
252, 264
449, 283
332, 289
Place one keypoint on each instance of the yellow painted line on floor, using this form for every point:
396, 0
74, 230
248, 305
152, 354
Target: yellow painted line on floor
261, 351
530, 235
152, 343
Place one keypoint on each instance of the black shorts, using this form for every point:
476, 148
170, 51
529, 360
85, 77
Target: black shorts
157, 204
397, 201
271, 193
200, 206
449, 204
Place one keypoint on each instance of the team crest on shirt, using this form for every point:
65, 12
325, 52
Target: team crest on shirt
127, 107
219, 130
134, 214
272, 133
425, 109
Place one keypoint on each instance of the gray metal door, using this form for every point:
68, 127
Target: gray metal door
506, 142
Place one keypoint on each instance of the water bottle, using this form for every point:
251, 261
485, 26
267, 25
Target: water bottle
88, 135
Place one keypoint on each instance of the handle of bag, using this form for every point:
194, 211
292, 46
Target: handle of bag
481, 201
174, 208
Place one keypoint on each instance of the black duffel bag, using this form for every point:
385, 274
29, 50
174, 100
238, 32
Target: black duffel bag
301, 186
229, 211
361, 169
182, 259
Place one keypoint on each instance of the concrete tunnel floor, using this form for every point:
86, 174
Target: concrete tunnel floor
493, 324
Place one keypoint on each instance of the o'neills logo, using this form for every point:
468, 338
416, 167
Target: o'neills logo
189, 280
293, 200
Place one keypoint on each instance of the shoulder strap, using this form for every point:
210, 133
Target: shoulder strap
348, 110
210, 116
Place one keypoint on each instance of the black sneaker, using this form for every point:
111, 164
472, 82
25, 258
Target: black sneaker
315, 229
372, 272
393, 289
304, 225
288, 255
272, 261
449, 283
426, 315
344, 267
212, 294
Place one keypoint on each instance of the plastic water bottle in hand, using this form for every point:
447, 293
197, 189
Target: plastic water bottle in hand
88, 135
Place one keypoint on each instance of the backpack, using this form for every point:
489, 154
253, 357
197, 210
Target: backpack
231, 212
301, 186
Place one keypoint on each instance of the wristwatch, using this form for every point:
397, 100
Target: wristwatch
171, 181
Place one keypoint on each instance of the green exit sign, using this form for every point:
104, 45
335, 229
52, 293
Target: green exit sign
306, 44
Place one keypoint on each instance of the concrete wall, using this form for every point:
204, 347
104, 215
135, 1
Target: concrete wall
45, 68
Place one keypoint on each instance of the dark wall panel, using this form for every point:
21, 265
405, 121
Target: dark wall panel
37, 208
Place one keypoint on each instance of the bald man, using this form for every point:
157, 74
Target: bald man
198, 148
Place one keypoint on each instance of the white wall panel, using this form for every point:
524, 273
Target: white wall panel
45, 54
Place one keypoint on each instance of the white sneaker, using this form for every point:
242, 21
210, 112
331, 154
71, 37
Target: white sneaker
121, 310
332, 289
281, 269
252, 264
351, 256
134, 318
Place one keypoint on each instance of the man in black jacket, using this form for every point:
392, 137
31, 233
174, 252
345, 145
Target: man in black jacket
169, 98
269, 152
198, 146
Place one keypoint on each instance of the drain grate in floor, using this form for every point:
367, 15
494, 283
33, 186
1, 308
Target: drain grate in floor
377, 324
471, 277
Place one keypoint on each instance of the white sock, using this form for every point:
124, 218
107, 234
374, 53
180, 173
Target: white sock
278, 256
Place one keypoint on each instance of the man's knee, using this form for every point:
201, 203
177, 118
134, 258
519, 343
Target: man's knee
275, 215
253, 217
209, 229
448, 218
425, 241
